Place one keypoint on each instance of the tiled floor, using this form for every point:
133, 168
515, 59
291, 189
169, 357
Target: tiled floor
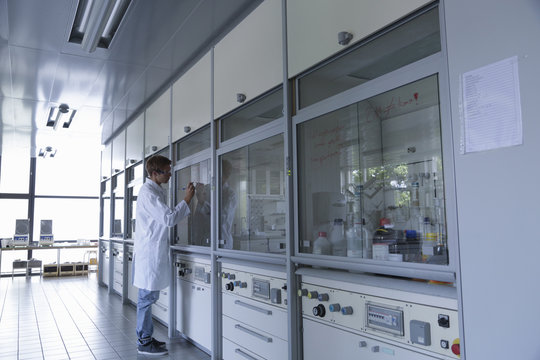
73, 318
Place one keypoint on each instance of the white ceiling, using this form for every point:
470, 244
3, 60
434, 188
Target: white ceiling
39, 68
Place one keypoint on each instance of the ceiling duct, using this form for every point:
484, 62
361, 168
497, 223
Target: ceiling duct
96, 22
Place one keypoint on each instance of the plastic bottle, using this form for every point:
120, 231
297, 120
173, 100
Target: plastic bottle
429, 239
337, 239
322, 246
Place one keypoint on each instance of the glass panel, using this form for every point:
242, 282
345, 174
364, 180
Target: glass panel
15, 172
404, 45
106, 207
131, 200
259, 112
68, 224
371, 181
252, 201
11, 210
194, 143
118, 222
194, 229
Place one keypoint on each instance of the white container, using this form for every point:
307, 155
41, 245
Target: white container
337, 239
380, 251
322, 245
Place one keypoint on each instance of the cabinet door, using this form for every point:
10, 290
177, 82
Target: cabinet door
191, 102
118, 152
249, 60
134, 141
313, 26
194, 312
157, 124
106, 162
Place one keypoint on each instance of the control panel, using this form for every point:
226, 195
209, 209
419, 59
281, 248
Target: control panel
259, 286
193, 271
413, 321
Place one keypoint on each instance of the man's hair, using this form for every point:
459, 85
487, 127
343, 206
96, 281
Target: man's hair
156, 162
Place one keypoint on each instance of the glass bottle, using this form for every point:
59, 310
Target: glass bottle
337, 239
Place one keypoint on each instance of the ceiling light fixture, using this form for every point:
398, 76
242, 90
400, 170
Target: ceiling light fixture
58, 114
46, 152
96, 22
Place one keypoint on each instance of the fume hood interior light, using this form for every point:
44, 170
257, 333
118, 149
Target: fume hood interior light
60, 116
96, 22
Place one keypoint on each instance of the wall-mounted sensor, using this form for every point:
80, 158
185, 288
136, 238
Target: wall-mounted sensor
344, 37
240, 98
154, 148
187, 129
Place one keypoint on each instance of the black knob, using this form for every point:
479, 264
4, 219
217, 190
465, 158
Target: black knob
229, 286
319, 310
444, 321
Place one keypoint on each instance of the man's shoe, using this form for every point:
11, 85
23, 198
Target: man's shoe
151, 349
158, 343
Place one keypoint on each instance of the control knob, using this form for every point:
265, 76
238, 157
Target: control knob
347, 310
232, 276
312, 295
323, 297
229, 286
334, 307
319, 310
302, 292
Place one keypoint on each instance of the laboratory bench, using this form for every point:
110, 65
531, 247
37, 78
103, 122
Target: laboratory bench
88, 248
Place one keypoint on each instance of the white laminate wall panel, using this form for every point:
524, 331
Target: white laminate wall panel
249, 59
157, 124
313, 25
497, 190
191, 96
134, 140
118, 152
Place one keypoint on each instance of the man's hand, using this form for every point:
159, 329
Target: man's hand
190, 191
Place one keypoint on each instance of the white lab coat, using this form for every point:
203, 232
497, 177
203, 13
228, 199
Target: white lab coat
151, 256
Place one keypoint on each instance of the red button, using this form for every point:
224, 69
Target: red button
455, 349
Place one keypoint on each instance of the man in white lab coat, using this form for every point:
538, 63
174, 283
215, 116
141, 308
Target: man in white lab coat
151, 262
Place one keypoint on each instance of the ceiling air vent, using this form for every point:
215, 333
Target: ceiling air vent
96, 22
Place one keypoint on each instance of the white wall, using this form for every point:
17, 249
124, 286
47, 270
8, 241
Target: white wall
498, 191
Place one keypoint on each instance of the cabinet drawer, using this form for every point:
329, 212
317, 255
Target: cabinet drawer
313, 27
255, 313
234, 351
255, 340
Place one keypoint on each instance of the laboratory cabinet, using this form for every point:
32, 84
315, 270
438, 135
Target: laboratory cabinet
104, 261
134, 141
248, 61
105, 203
132, 290
194, 299
106, 161
118, 268
118, 201
118, 153
317, 30
160, 309
364, 316
370, 165
191, 99
254, 310
157, 124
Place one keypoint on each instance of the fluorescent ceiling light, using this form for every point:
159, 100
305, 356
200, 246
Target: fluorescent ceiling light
96, 22
60, 116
